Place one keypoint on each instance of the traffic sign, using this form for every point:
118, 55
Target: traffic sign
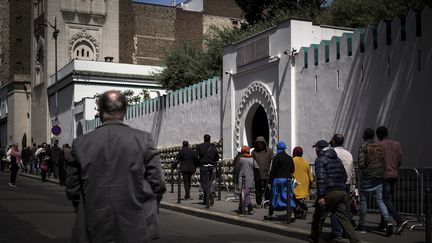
56, 129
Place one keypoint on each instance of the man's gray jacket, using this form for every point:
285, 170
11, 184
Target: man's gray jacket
114, 181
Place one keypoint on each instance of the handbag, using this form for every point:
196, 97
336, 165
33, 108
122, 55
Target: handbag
43, 166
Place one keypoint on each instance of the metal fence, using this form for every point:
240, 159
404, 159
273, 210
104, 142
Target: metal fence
408, 194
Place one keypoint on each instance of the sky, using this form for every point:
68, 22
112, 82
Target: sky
161, 2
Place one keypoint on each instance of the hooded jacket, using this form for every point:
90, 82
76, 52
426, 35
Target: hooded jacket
330, 172
263, 158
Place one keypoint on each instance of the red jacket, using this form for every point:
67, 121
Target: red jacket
392, 156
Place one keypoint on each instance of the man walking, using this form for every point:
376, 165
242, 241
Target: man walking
371, 166
207, 157
114, 179
186, 157
56, 154
263, 156
347, 160
331, 197
393, 160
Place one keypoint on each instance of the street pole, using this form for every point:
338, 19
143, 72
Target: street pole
55, 35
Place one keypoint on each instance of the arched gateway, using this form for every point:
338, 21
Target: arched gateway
256, 116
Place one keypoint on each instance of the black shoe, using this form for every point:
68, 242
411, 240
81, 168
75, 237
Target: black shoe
336, 238
389, 229
268, 217
400, 227
360, 229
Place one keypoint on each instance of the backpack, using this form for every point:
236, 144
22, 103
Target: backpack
375, 160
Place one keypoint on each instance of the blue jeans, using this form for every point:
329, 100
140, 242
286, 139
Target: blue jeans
388, 188
377, 189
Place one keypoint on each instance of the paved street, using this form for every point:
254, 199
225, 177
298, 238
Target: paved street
39, 212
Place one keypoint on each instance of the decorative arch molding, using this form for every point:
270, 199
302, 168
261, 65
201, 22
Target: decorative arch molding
256, 93
83, 37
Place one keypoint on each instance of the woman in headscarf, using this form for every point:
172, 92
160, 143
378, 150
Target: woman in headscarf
281, 170
302, 174
246, 165
305, 179
15, 157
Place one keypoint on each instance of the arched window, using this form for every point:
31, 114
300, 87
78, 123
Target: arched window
83, 50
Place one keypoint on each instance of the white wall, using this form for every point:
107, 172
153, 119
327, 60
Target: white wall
383, 86
186, 120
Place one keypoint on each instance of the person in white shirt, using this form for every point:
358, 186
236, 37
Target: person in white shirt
347, 159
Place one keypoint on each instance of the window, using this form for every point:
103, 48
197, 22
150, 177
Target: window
83, 51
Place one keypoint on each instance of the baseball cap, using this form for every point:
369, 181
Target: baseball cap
321, 144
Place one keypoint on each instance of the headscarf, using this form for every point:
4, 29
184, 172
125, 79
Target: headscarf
245, 151
297, 152
281, 146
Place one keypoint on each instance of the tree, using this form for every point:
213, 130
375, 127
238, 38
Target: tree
256, 11
130, 97
360, 13
183, 66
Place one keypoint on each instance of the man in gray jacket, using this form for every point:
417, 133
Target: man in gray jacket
114, 179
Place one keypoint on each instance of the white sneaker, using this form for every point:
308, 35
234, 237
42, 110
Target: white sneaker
11, 185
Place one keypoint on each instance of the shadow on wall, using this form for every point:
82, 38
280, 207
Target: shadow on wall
390, 86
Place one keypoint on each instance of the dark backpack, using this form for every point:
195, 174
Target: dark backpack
375, 161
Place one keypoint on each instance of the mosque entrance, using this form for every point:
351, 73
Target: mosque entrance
256, 124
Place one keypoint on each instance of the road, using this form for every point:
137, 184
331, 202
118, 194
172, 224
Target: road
40, 213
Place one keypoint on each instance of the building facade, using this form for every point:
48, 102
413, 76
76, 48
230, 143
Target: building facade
302, 83
80, 80
15, 39
155, 29
87, 30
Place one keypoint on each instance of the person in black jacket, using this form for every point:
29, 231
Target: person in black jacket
282, 167
186, 157
331, 197
207, 157
56, 156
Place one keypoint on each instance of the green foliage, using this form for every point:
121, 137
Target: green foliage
360, 13
184, 66
130, 97
256, 11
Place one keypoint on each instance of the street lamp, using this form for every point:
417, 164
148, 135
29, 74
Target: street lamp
55, 35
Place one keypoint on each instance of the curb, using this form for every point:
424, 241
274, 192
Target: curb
281, 229
54, 181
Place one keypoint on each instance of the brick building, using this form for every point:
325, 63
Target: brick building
155, 29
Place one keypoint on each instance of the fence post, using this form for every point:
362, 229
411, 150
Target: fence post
179, 177
428, 215
172, 177
288, 200
219, 174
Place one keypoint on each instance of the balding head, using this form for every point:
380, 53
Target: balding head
112, 105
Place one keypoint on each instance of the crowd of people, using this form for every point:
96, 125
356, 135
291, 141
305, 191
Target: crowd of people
340, 190
43, 160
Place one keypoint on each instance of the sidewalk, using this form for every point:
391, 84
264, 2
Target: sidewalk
225, 211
